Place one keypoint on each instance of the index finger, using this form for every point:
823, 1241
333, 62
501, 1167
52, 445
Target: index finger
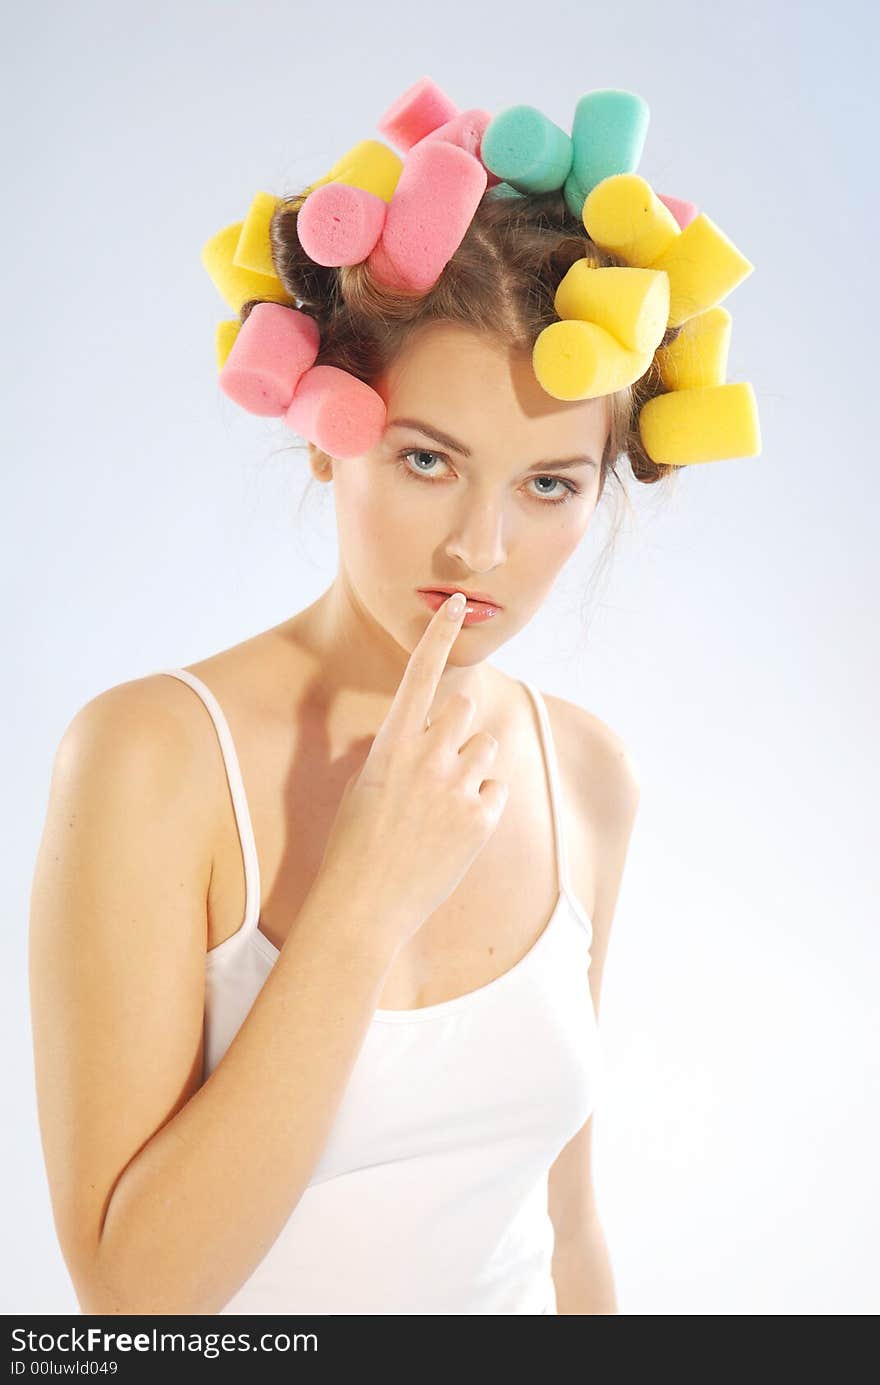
415, 693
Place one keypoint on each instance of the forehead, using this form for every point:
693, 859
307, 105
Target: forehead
480, 391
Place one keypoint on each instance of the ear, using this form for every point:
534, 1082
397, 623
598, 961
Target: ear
321, 465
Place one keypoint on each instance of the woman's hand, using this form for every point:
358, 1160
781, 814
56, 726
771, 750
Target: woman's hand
420, 808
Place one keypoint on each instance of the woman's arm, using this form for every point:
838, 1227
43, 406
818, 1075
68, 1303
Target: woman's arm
609, 795
582, 1271
167, 1193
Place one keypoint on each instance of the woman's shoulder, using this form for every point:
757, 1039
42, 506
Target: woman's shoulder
145, 714
593, 753
129, 758
160, 722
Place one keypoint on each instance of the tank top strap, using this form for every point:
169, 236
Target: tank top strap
551, 764
239, 797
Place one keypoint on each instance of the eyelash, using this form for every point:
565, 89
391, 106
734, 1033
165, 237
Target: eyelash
570, 486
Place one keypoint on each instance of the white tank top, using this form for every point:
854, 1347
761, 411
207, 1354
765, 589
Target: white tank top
430, 1196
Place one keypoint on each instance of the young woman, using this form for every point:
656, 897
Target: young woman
319, 922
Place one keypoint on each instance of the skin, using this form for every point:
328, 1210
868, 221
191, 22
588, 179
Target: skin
304, 701
485, 522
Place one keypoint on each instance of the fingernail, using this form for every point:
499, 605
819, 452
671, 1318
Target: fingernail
455, 605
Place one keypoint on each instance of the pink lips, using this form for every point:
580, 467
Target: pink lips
475, 611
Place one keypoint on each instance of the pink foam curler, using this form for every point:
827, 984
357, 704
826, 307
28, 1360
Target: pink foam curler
339, 413
466, 130
274, 348
684, 212
420, 109
433, 205
339, 225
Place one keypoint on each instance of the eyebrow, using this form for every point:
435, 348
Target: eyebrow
446, 441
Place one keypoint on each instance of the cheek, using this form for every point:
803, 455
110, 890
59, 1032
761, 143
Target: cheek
547, 546
379, 523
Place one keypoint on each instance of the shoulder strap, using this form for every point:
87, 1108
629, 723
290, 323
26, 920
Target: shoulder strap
239, 797
551, 766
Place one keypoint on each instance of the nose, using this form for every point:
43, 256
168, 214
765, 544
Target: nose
477, 539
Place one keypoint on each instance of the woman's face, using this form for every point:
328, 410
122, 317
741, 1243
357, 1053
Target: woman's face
415, 512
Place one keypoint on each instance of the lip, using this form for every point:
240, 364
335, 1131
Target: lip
475, 612
483, 597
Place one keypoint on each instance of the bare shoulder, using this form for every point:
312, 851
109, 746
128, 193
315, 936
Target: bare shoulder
151, 731
143, 709
596, 760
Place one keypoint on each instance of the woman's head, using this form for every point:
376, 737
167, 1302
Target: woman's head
458, 359
485, 507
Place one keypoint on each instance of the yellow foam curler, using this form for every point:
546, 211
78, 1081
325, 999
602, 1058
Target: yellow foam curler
623, 214
224, 339
580, 360
701, 425
631, 304
236, 285
704, 266
369, 165
698, 356
254, 248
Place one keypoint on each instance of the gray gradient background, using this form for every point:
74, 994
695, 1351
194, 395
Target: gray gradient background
732, 643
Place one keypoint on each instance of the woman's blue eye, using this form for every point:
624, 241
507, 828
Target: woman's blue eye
417, 452
569, 487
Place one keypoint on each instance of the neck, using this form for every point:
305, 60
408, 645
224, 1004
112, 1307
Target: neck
361, 663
